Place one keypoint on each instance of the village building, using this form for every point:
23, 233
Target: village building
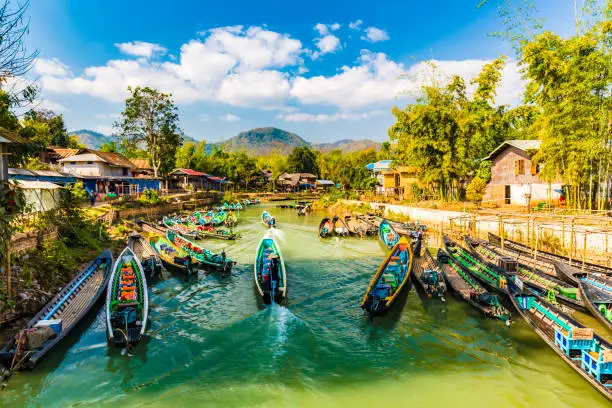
325, 184
400, 182
296, 181
53, 154
195, 180
378, 168
142, 168
5, 140
515, 177
96, 163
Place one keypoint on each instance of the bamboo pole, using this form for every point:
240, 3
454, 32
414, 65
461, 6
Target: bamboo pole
501, 233
535, 248
584, 247
571, 251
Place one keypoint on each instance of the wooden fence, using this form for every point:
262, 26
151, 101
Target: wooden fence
31, 240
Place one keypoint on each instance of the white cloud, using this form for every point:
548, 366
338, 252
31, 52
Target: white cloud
324, 118
321, 29
335, 26
356, 25
328, 44
51, 66
141, 48
229, 118
105, 129
52, 106
373, 34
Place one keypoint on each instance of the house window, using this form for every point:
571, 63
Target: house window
519, 167
89, 162
72, 162
535, 168
125, 171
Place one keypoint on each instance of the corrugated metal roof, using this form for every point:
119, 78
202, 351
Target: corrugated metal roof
20, 172
35, 185
141, 164
519, 144
61, 153
326, 182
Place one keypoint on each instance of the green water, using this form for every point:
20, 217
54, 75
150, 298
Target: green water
210, 344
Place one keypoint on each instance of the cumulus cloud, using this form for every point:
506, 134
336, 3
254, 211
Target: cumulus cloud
324, 118
356, 25
326, 42
256, 67
141, 49
373, 34
229, 118
51, 66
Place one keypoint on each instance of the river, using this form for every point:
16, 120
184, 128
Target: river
210, 344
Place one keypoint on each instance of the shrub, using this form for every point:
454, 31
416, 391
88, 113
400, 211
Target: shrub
476, 190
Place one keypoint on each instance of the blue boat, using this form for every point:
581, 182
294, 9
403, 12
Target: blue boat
59, 316
270, 273
387, 234
391, 277
268, 220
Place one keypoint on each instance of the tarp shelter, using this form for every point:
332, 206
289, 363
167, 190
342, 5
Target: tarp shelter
41, 175
39, 195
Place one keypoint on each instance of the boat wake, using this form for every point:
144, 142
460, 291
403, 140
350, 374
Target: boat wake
276, 234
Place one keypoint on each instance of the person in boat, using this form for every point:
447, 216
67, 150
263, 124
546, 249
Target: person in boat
402, 257
274, 268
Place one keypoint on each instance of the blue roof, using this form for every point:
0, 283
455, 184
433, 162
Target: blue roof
380, 165
325, 182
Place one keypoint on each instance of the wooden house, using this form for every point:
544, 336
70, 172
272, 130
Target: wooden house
515, 177
6, 138
399, 180
96, 163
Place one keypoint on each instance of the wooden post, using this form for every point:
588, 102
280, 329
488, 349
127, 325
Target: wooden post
501, 232
563, 233
535, 248
584, 247
571, 251
528, 233
8, 269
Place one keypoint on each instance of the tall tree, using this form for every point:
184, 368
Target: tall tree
303, 160
150, 121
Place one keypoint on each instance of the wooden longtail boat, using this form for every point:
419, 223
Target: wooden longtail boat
326, 228
387, 234
59, 317
207, 231
268, 220
582, 349
172, 257
127, 301
549, 257
149, 259
218, 218
492, 280
231, 219
203, 219
180, 228
428, 275
354, 226
389, 280
269, 271
369, 227
549, 288
597, 294
339, 227
470, 290
206, 258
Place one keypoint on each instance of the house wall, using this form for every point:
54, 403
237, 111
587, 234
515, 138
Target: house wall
503, 174
94, 169
3, 162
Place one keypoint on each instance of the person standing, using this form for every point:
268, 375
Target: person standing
92, 198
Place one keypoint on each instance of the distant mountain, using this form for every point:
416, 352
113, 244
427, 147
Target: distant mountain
262, 141
346, 145
94, 140
91, 139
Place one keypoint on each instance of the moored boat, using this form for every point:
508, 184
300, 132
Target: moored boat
470, 290
203, 219
268, 220
58, 317
492, 280
389, 280
326, 228
208, 231
127, 301
550, 257
171, 256
180, 228
218, 218
149, 259
580, 347
387, 234
429, 277
549, 288
270, 273
218, 262
597, 294
369, 227
231, 219
339, 227
354, 226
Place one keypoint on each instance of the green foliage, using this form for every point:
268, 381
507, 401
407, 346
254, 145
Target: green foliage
149, 197
150, 120
109, 147
476, 189
484, 171
303, 160
78, 192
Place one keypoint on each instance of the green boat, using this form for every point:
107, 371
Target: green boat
206, 258
218, 218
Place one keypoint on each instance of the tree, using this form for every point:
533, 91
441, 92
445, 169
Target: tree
150, 121
476, 190
185, 156
303, 160
109, 147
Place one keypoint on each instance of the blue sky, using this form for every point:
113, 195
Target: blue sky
327, 70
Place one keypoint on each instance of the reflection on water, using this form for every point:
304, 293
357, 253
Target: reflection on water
210, 343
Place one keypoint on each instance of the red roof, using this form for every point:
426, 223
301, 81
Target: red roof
189, 172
